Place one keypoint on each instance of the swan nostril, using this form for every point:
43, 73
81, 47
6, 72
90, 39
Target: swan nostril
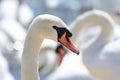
55, 27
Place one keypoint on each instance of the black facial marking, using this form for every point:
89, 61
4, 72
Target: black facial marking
61, 31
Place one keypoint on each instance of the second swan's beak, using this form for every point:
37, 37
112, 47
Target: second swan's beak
66, 41
61, 56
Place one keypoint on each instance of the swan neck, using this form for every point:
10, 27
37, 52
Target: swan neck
40, 28
30, 58
105, 23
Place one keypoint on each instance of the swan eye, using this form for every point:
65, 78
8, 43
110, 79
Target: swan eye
61, 30
68, 33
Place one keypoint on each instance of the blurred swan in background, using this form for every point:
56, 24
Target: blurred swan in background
117, 31
12, 49
102, 55
15, 33
3, 40
9, 23
69, 69
4, 69
24, 14
94, 30
48, 60
44, 26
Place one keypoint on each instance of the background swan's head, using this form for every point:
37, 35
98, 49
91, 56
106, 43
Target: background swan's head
52, 27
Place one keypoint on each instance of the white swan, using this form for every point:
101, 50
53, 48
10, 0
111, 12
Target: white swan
44, 26
25, 14
49, 59
9, 23
117, 30
71, 68
11, 48
101, 56
4, 69
72, 65
16, 34
92, 31
49, 62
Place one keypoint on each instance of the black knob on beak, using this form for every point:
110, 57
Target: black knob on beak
55, 27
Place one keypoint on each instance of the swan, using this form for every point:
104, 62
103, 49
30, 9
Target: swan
117, 30
92, 31
12, 48
100, 56
43, 26
4, 70
49, 59
9, 24
71, 68
48, 64
25, 14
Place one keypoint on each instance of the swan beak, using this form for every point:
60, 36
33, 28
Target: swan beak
66, 41
61, 58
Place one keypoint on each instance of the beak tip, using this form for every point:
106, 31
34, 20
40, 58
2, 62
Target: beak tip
78, 52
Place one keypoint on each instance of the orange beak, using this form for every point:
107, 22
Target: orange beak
69, 44
61, 58
62, 53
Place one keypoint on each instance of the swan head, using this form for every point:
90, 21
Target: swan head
64, 37
61, 51
52, 27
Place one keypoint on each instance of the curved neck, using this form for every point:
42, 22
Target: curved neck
30, 57
94, 18
40, 28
